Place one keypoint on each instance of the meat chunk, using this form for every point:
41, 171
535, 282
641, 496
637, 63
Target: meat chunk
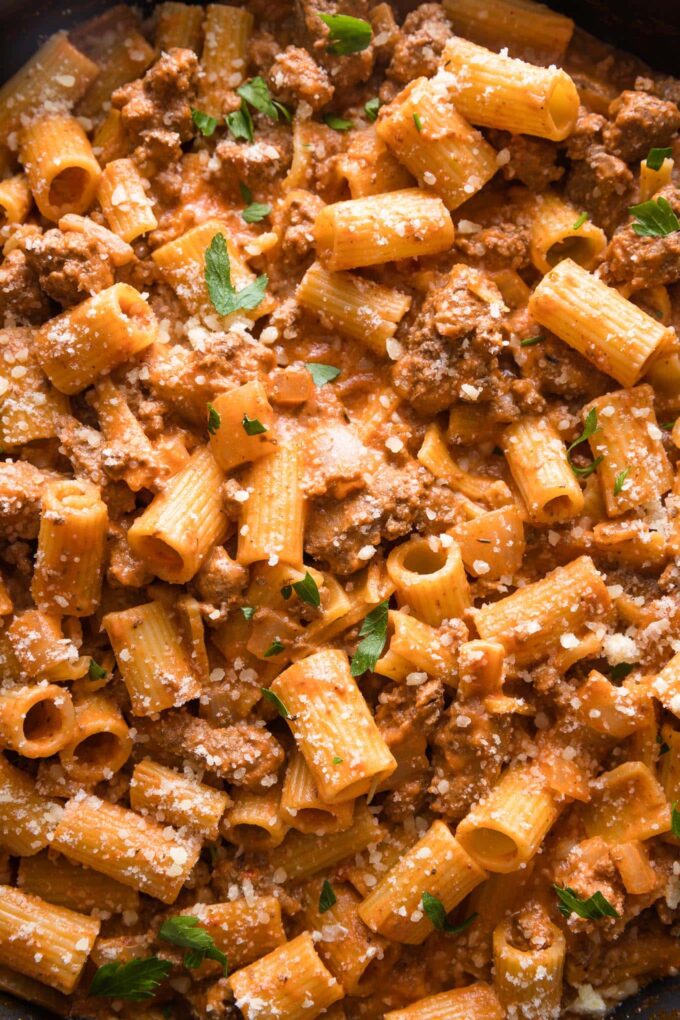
587, 133
20, 487
295, 77
294, 223
256, 164
156, 109
335, 461
221, 579
21, 299
601, 184
644, 261
421, 42
587, 869
503, 245
346, 70
532, 160
243, 754
453, 346
343, 534
406, 712
640, 122
70, 266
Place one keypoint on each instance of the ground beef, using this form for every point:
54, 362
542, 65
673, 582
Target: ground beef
644, 261
587, 133
602, 185
156, 109
256, 164
406, 712
70, 266
588, 868
293, 222
20, 487
262, 51
295, 77
640, 122
504, 245
21, 299
658, 85
220, 580
533, 161
555, 368
344, 71
337, 531
420, 43
453, 345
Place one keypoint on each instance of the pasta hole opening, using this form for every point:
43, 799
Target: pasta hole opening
68, 186
43, 721
250, 835
135, 309
558, 507
580, 249
490, 846
314, 820
562, 107
422, 559
97, 749
159, 552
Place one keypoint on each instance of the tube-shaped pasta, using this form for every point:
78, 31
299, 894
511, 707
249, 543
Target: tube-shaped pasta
530, 622
120, 61
302, 855
423, 647
226, 32
58, 880
492, 545
100, 743
69, 563
62, 171
36, 721
633, 468
498, 91
430, 137
244, 929
666, 685
628, 803
179, 25
303, 809
44, 941
356, 307
126, 206
437, 865
506, 828
652, 181
27, 819
434, 454
181, 525
15, 199
142, 467
254, 820
429, 577
272, 519
524, 26
537, 458
110, 139
230, 443
176, 799
89, 340
329, 718
613, 333
382, 228
292, 980
29, 405
474, 1002
128, 848
528, 980
152, 659
370, 167
559, 232
41, 648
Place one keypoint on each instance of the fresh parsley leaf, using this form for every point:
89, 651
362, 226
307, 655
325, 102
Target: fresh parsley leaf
346, 34
275, 648
580, 221
434, 908
621, 670
531, 341
590, 428
306, 590
225, 298
276, 702
95, 671
668, 426
248, 612
337, 760
321, 374
655, 158
214, 420
374, 632
337, 123
256, 93
675, 820
418, 122
619, 480
594, 907
327, 899
371, 108
246, 193
136, 980
184, 930
253, 426
240, 123
256, 212
654, 218
204, 122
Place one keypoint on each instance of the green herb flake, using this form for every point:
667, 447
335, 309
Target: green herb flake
95, 671
321, 374
204, 122
434, 908
256, 93
225, 298
306, 590
327, 899
275, 648
595, 907
346, 34
621, 670
531, 341
337, 760
655, 158
337, 123
675, 820
214, 420
253, 426
668, 426
184, 930
374, 634
248, 612
276, 701
136, 980
654, 218
590, 428
371, 108
418, 122
580, 221
256, 212
620, 479
240, 123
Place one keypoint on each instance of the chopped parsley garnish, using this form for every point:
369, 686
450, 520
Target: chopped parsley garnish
337, 123
434, 908
668, 426
275, 648
214, 420
374, 632
418, 122
224, 296
592, 909
346, 34
276, 702
256, 93
306, 590
655, 157
531, 341
580, 221
371, 107
253, 426
240, 123
621, 670
136, 980
619, 480
95, 671
675, 819
321, 374
248, 612
185, 931
590, 428
204, 122
256, 212
327, 899
654, 218
337, 760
